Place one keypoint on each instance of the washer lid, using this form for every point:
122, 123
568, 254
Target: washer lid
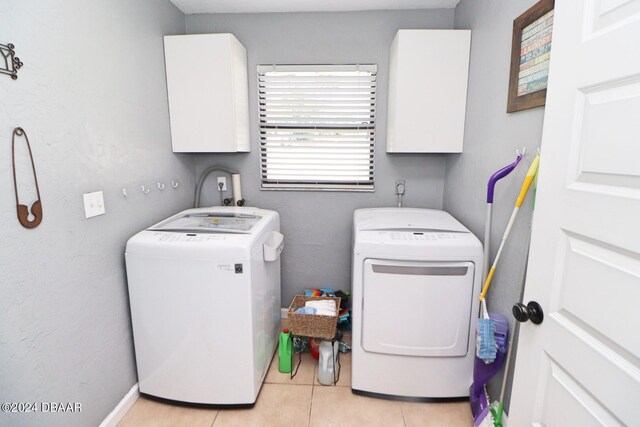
406, 219
209, 222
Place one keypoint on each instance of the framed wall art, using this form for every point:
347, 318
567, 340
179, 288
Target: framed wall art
530, 54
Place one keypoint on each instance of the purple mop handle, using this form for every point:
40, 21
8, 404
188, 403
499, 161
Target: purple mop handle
498, 176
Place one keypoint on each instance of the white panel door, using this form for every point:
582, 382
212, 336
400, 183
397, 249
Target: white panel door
581, 366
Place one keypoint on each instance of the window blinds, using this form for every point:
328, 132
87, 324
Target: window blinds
317, 126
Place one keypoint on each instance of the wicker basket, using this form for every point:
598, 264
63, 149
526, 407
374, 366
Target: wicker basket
312, 325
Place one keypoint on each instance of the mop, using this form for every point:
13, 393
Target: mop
483, 372
485, 341
491, 185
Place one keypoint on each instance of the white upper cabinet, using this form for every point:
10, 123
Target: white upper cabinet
428, 75
208, 93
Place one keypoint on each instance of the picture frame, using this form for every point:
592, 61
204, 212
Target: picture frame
530, 53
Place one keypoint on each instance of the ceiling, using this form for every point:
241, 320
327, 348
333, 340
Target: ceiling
259, 6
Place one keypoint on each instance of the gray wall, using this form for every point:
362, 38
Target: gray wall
317, 225
491, 138
92, 98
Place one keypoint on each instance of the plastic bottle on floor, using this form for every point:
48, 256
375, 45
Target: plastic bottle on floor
285, 352
327, 362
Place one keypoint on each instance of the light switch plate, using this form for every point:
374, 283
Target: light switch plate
93, 204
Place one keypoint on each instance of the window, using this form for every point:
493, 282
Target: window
317, 126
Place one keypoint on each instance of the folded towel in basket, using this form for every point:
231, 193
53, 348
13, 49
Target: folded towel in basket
322, 307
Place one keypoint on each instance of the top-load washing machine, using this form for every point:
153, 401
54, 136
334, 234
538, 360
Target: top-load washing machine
416, 281
204, 290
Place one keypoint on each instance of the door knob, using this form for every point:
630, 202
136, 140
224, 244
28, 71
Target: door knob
532, 311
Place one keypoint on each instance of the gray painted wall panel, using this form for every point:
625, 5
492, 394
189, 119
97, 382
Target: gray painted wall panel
491, 138
92, 98
317, 225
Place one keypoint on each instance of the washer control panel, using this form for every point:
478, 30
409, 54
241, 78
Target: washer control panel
187, 237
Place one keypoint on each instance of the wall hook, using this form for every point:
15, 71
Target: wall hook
124, 192
174, 184
160, 186
145, 190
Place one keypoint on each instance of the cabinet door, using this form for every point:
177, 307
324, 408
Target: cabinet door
428, 75
208, 95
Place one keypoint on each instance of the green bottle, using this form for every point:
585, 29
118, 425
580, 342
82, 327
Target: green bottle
285, 352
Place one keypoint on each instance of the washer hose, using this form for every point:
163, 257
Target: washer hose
203, 176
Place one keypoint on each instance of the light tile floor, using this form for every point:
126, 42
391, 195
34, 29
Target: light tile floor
302, 401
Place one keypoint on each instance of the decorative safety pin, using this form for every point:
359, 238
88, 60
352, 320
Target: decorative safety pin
124, 192
160, 186
174, 184
145, 190
25, 211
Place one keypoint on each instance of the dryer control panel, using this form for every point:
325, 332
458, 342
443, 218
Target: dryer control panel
417, 236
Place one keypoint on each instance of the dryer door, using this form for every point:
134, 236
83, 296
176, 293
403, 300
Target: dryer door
417, 308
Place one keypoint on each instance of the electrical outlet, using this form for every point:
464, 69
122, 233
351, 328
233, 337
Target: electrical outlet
93, 204
222, 180
400, 187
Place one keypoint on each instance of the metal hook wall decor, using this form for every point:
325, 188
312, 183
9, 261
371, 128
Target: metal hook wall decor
23, 210
11, 62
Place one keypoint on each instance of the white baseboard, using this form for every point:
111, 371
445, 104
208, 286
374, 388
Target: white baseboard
121, 408
284, 313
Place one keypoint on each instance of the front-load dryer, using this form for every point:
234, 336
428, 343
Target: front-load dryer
416, 281
204, 291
